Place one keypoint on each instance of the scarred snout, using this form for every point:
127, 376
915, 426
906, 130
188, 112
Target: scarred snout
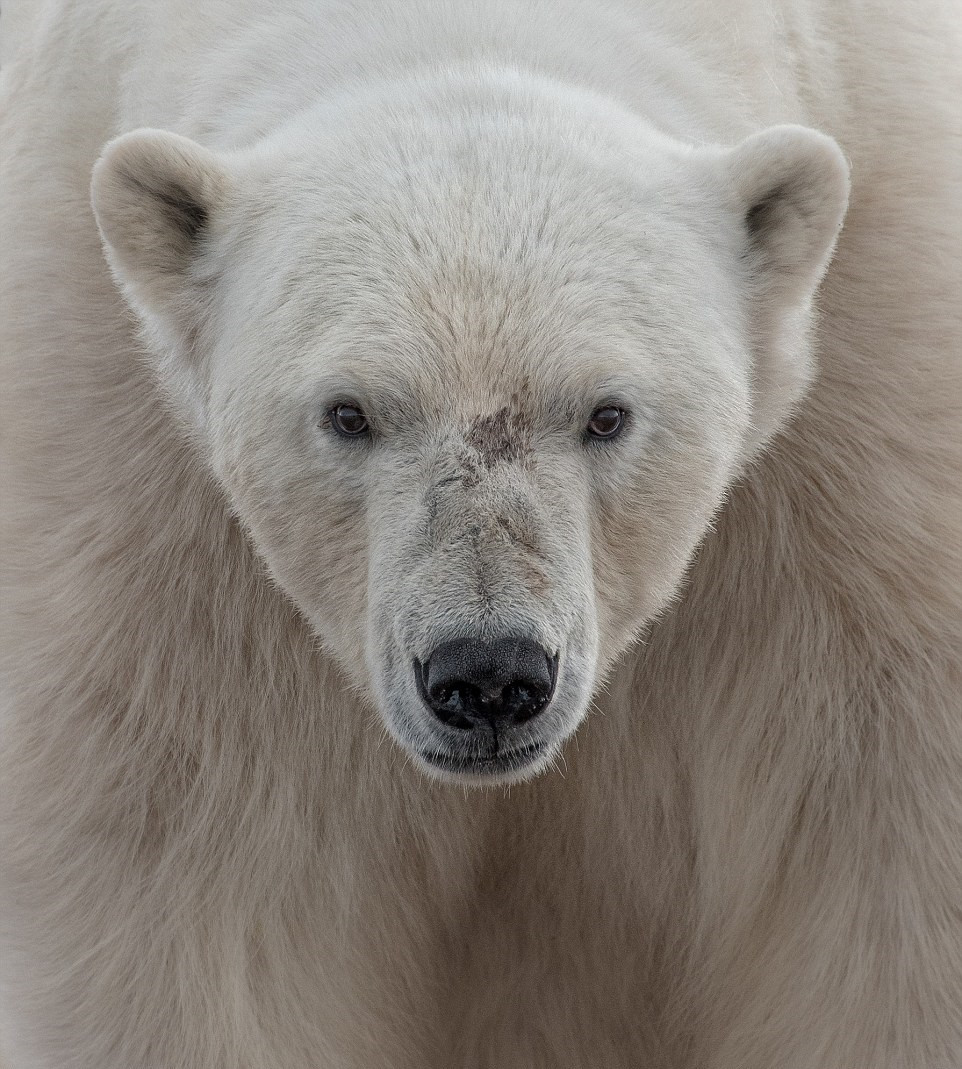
483, 625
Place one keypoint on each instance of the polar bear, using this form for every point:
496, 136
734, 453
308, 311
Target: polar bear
482, 556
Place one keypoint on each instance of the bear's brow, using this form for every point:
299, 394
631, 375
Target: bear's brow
504, 435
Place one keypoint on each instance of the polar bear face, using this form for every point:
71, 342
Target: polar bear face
475, 378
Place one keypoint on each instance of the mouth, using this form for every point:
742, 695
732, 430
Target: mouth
478, 766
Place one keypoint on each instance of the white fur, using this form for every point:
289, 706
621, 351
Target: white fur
483, 219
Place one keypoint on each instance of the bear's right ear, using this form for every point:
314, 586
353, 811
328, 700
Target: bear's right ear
155, 196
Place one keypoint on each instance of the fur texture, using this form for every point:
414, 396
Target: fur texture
483, 221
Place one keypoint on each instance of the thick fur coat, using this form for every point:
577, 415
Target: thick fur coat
223, 844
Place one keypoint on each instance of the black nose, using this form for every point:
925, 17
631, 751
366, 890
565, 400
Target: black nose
469, 684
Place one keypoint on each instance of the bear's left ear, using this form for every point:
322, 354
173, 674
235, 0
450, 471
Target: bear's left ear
792, 186
156, 197
788, 186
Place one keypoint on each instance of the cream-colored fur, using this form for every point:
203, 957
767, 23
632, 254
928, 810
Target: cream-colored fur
483, 216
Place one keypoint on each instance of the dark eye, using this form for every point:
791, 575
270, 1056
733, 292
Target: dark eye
348, 420
606, 422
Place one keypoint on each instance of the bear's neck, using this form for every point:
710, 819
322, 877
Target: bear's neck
653, 68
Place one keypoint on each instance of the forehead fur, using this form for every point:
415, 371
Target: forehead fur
444, 263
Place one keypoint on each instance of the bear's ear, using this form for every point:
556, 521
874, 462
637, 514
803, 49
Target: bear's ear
792, 186
155, 196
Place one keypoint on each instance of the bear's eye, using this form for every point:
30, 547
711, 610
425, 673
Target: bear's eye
348, 420
606, 422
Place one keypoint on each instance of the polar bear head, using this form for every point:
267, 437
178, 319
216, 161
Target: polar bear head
475, 362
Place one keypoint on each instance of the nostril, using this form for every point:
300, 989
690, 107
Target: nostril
452, 705
521, 702
467, 682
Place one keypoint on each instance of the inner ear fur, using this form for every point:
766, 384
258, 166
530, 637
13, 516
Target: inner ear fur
154, 194
792, 186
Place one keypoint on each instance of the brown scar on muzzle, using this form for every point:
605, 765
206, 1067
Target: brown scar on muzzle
501, 437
